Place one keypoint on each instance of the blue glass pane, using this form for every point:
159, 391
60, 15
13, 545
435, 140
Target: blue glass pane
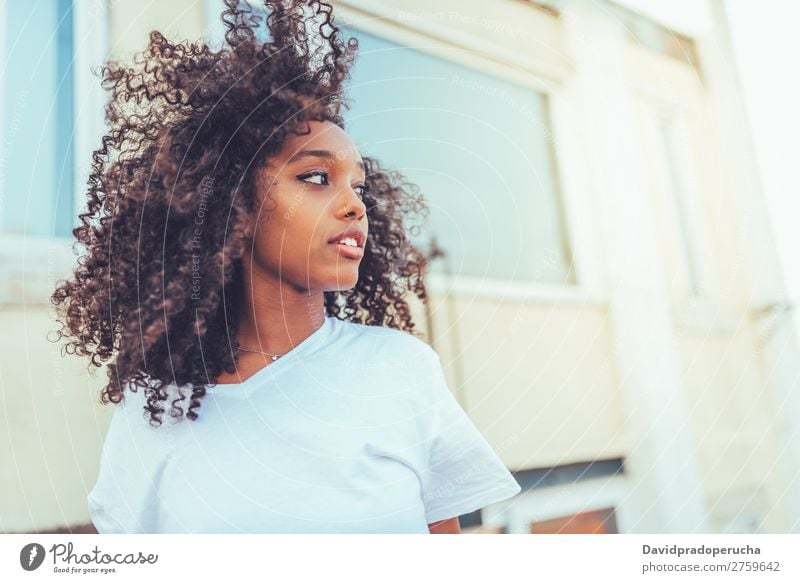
37, 181
478, 147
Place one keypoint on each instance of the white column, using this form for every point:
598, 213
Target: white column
757, 86
665, 490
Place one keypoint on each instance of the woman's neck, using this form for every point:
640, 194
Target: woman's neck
275, 316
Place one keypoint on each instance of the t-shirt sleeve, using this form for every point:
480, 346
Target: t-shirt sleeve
463, 472
124, 500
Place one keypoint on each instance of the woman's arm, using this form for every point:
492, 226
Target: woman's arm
449, 526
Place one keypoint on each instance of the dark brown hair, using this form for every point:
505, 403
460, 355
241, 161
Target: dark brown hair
189, 126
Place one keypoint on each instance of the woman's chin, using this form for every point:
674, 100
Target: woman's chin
343, 282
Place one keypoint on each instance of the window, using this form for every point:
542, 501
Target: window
37, 164
480, 149
51, 119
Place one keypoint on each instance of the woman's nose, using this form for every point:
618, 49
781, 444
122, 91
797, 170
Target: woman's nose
354, 205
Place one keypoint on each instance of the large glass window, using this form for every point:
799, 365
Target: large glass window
479, 147
36, 160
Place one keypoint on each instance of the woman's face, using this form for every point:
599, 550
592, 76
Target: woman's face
312, 192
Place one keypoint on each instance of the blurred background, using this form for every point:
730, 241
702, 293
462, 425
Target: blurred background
613, 188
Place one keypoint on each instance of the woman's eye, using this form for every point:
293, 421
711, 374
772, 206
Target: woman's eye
317, 174
323, 176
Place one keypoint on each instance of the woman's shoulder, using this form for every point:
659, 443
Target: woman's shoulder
376, 336
390, 350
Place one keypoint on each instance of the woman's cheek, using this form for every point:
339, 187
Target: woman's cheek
299, 203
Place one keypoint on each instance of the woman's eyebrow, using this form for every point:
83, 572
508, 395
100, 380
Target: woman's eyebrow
318, 154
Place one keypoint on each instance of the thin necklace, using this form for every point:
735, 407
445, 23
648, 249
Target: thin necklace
274, 356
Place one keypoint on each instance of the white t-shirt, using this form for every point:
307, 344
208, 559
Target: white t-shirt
353, 431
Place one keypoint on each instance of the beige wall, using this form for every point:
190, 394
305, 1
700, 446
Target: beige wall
539, 382
52, 422
732, 426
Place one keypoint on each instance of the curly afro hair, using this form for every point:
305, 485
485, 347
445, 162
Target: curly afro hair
184, 116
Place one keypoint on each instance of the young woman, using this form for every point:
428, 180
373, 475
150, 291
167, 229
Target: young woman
242, 254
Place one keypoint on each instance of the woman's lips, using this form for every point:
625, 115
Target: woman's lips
348, 251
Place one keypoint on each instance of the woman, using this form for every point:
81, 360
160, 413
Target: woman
241, 251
